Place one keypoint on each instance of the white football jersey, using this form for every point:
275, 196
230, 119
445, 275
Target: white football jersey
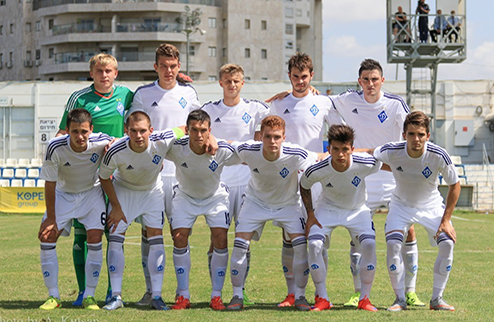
236, 123
374, 123
274, 184
416, 178
198, 176
305, 117
74, 172
166, 108
346, 189
137, 171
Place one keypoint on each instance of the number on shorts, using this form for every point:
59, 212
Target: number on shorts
227, 218
103, 218
302, 222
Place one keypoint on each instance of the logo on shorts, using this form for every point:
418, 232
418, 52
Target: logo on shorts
246, 117
234, 272
94, 158
392, 268
314, 110
314, 266
213, 166
180, 270
382, 116
160, 268
96, 274
182, 102
46, 274
156, 159
427, 172
370, 267
112, 268
284, 172
399, 169
120, 108
356, 181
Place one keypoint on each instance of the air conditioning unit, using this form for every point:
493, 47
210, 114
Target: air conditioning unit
28, 63
37, 62
8, 64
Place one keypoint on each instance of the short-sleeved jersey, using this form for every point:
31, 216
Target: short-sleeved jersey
166, 108
305, 118
237, 123
346, 189
374, 123
198, 176
74, 172
274, 184
416, 178
107, 110
137, 171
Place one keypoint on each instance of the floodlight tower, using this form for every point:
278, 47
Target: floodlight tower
425, 39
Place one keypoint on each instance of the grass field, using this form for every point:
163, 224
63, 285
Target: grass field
470, 288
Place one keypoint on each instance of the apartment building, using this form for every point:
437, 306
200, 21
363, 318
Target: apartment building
54, 39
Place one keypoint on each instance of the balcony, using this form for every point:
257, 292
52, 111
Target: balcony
74, 57
78, 28
146, 27
39, 4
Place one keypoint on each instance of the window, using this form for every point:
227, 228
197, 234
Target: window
289, 29
51, 52
11, 28
247, 24
224, 52
264, 78
28, 27
1, 58
264, 25
289, 12
264, 53
2, 2
212, 51
192, 50
151, 24
50, 24
247, 78
211, 78
38, 54
88, 24
28, 55
11, 56
225, 23
247, 52
1, 30
298, 12
38, 25
212, 22
288, 44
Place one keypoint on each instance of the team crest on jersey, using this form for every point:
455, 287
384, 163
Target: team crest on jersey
246, 117
382, 116
213, 166
156, 159
427, 172
182, 102
284, 172
120, 108
314, 110
94, 158
356, 181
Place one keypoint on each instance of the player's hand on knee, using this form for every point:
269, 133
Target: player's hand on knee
114, 218
311, 221
448, 229
48, 230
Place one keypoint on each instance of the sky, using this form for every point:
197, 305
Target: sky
356, 29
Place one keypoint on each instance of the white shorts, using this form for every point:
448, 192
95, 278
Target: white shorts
236, 199
185, 210
357, 221
380, 187
401, 217
88, 207
168, 183
253, 216
134, 203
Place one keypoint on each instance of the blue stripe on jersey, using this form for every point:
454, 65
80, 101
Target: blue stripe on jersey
318, 166
249, 147
144, 86
398, 98
119, 146
364, 160
256, 101
211, 102
393, 146
182, 141
100, 137
350, 90
226, 145
440, 151
162, 136
295, 151
75, 96
55, 143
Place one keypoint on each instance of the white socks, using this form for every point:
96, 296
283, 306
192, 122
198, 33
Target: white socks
49, 267
156, 264
93, 267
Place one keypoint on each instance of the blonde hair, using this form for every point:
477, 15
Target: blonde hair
103, 59
231, 69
